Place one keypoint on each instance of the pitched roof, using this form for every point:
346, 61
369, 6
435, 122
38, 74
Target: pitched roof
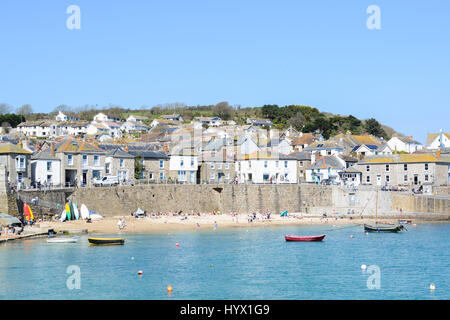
432, 136
149, 154
73, 145
404, 158
306, 138
303, 155
325, 162
8, 148
119, 153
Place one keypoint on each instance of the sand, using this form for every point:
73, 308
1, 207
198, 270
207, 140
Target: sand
174, 223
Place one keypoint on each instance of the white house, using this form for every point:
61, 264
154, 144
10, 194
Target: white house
405, 144
260, 122
210, 121
100, 117
139, 119
45, 168
267, 167
438, 140
184, 168
63, 117
131, 126
325, 168
245, 145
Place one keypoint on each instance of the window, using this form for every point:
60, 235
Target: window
227, 165
405, 167
161, 176
107, 168
142, 175
161, 164
121, 163
276, 164
405, 177
301, 163
250, 164
387, 168
150, 175
387, 178
227, 175
85, 159
69, 159
285, 163
265, 163
20, 163
20, 177
49, 178
212, 165
212, 175
181, 175
192, 161
49, 166
426, 177
426, 166
181, 162
265, 176
96, 160
219, 166
367, 168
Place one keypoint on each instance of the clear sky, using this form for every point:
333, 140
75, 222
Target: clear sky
246, 52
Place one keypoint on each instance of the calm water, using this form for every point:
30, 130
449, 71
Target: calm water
234, 264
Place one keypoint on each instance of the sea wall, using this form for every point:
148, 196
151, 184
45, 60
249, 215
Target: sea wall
306, 198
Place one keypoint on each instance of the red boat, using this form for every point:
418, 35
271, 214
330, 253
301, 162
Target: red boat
304, 238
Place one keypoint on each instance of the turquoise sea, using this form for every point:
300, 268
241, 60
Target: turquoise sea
234, 263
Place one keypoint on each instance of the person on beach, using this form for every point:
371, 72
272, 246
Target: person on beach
123, 223
119, 224
215, 225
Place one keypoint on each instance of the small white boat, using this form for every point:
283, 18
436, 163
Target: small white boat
62, 240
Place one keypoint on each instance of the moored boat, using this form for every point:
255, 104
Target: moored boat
62, 240
404, 221
304, 238
383, 228
106, 241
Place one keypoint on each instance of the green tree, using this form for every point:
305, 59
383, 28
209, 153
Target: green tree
138, 167
270, 111
372, 126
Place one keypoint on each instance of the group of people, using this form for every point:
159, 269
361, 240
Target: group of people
121, 224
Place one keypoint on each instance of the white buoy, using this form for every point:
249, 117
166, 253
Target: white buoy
363, 267
432, 286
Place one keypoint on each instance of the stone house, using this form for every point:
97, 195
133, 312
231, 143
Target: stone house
121, 164
156, 165
81, 161
17, 162
45, 168
408, 170
303, 162
214, 169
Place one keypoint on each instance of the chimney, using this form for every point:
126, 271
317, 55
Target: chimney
52, 149
438, 155
126, 147
224, 154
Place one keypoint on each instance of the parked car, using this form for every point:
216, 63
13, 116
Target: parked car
106, 181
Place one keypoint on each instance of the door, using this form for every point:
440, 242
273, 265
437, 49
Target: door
416, 179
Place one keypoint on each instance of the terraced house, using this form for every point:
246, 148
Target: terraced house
17, 162
427, 169
155, 164
215, 169
80, 161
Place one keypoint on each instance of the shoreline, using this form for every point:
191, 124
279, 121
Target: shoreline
205, 222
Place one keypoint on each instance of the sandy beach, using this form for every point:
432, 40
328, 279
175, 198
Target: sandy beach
174, 223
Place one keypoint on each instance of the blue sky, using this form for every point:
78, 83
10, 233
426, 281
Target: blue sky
317, 53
